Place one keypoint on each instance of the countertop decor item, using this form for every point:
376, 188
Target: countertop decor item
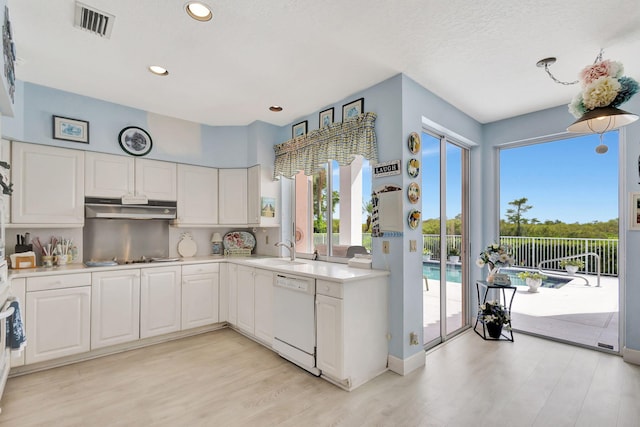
239, 242
135, 141
187, 247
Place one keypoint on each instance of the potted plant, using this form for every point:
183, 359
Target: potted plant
495, 256
426, 255
533, 279
494, 315
454, 254
572, 265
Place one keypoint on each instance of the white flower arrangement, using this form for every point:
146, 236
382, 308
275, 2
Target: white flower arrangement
495, 255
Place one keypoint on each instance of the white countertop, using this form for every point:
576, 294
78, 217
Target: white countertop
302, 267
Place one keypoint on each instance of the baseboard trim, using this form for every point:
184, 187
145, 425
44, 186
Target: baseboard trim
631, 356
405, 366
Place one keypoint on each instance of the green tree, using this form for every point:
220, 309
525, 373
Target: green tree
516, 214
367, 207
320, 202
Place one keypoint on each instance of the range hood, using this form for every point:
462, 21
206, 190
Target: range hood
116, 209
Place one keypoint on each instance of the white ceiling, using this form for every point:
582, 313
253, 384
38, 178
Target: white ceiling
479, 56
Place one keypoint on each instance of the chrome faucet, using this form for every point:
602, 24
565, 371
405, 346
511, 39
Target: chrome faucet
291, 246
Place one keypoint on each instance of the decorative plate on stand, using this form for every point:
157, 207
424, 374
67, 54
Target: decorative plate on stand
187, 247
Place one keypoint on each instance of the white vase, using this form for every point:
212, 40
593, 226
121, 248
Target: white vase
492, 273
454, 258
571, 269
533, 284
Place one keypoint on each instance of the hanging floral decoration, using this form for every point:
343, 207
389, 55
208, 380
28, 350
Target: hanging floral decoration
603, 85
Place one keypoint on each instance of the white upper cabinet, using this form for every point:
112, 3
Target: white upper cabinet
48, 183
156, 180
108, 175
232, 196
197, 195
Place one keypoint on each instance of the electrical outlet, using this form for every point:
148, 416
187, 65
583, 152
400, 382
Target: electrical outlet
413, 339
413, 245
385, 246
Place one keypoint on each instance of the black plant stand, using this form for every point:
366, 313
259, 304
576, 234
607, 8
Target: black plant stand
483, 289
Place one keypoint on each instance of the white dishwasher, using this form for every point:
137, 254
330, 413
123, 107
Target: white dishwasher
294, 320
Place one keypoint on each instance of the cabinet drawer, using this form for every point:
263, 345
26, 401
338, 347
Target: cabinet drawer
331, 289
200, 269
59, 281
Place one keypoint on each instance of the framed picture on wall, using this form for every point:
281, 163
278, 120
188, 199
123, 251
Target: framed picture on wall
326, 118
68, 129
299, 129
634, 217
352, 109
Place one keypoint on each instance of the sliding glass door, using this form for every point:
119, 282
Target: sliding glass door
444, 263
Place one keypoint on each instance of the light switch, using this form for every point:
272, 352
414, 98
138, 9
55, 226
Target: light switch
412, 245
385, 246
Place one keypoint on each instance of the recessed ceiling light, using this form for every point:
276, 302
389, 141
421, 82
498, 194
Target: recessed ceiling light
158, 70
199, 11
275, 108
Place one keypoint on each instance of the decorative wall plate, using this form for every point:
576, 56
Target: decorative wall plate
414, 143
239, 240
187, 247
414, 218
413, 167
413, 192
135, 141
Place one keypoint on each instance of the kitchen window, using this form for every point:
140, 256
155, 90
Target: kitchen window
333, 210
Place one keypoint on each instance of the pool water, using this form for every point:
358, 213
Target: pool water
431, 269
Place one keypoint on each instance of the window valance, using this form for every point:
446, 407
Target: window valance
338, 141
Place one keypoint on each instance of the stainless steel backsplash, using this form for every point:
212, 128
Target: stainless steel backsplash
125, 239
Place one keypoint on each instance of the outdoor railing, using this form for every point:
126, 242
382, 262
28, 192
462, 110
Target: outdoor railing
530, 251
527, 251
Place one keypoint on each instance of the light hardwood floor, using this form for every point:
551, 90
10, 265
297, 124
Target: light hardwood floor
224, 379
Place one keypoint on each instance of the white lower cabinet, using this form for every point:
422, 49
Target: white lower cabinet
246, 298
58, 316
200, 289
352, 328
115, 307
160, 295
330, 336
263, 292
232, 286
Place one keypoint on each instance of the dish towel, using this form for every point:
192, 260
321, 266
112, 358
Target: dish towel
16, 338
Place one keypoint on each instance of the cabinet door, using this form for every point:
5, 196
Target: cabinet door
156, 179
160, 307
330, 336
115, 307
48, 183
197, 195
232, 281
57, 323
253, 195
246, 310
232, 190
107, 175
263, 290
199, 300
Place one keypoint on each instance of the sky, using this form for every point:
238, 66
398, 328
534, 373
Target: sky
563, 180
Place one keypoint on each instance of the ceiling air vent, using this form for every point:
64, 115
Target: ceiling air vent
93, 20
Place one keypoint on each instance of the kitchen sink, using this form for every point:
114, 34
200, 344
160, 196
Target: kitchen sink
276, 261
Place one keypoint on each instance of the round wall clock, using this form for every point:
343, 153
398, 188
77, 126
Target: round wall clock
135, 141
414, 143
413, 192
413, 167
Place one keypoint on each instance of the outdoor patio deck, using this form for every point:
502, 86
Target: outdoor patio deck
576, 313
